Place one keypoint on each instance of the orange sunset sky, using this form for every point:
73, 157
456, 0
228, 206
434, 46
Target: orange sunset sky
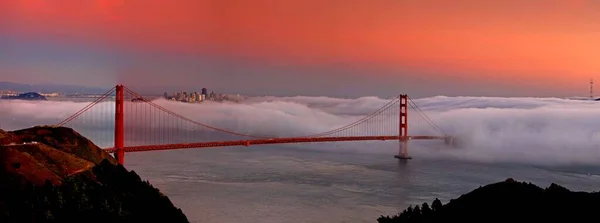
285, 47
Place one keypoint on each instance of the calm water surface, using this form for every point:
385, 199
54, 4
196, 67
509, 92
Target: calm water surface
296, 184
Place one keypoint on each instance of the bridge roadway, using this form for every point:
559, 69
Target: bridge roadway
269, 141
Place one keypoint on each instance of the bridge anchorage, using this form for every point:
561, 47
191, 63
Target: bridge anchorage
143, 125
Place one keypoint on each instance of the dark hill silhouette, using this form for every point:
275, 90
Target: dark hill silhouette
507, 201
53, 174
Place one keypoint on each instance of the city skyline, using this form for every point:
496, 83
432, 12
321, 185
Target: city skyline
339, 49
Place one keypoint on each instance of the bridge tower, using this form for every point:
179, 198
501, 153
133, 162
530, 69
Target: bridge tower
119, 126
403, 129
592, 89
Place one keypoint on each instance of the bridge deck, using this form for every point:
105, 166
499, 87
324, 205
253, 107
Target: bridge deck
267, 141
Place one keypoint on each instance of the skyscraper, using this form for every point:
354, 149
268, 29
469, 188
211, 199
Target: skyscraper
204, 91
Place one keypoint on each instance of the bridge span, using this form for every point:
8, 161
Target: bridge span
146, 126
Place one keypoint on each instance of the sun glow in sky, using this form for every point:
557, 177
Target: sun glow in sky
310, 47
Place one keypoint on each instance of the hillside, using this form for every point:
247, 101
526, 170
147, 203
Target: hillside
6, 138
506, 201
38, 163
63, 139
53, 174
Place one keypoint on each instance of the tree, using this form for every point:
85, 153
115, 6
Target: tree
409, 210
426, 210
416, 213
436, 205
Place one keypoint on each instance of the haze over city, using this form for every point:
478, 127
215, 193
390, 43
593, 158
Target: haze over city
333, 48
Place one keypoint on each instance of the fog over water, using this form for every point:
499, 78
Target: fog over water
541, 140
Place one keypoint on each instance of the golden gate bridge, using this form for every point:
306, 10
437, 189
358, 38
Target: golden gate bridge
142, 125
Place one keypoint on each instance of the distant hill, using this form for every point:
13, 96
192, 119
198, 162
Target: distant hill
507, 201
53, 174
30, 96
583, 98
50, 88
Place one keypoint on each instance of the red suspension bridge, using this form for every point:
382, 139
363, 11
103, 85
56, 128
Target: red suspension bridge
143, 125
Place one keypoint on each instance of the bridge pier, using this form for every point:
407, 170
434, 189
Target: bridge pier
403, 151
403, 129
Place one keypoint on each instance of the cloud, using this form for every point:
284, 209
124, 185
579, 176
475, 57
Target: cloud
338, 106
537, 131
523, 130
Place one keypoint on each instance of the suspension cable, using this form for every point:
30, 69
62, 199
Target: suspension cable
87, 107
424, 115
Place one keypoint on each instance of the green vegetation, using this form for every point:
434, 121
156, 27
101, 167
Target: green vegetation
507, 201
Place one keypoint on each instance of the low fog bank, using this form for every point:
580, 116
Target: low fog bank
541, 131
545, 131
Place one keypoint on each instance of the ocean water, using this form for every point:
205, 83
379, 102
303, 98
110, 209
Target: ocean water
298, 184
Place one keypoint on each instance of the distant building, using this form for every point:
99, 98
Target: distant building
50, 94
196, 97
